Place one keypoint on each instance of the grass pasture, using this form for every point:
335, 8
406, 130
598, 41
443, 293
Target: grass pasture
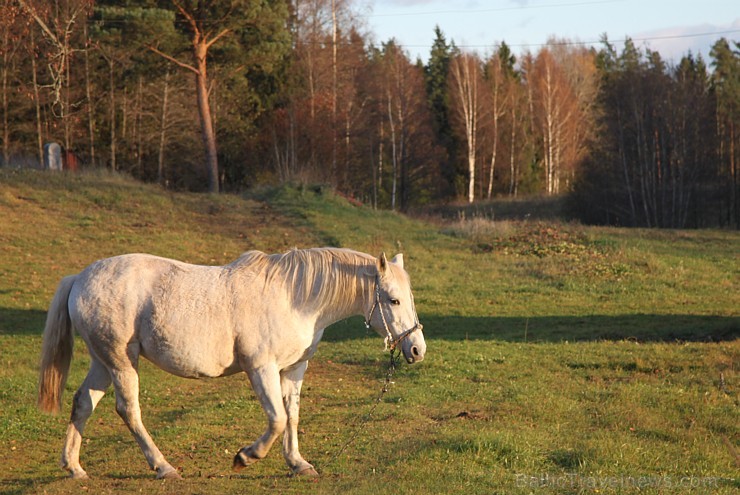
561, 358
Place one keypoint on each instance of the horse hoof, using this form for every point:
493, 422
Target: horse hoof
242, 460
169, 474
307, 472
79, 475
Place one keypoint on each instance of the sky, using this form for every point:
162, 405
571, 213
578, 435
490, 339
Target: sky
672, 27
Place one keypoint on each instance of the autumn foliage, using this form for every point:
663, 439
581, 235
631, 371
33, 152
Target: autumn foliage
215, 95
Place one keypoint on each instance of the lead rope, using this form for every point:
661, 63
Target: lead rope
359, 426
391, 345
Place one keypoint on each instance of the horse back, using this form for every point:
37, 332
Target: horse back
177, 315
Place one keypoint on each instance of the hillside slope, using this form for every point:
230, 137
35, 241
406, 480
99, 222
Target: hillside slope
561, 359
562, 281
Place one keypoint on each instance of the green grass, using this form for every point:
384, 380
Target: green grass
561, 358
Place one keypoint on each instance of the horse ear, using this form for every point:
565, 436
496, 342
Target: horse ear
382, 264
398, 260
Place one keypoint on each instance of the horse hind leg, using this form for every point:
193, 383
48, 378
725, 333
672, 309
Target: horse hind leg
86, 398
126, 383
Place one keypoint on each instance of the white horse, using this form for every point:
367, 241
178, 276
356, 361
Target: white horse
262, 314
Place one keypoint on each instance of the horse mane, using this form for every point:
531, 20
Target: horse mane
325, 275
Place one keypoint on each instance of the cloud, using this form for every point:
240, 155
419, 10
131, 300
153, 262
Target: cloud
675, 42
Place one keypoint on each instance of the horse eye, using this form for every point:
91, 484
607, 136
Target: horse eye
395, 302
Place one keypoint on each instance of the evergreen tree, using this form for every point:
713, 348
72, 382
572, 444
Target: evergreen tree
726, 88
508, 60
436, 75
235, 47
141, 114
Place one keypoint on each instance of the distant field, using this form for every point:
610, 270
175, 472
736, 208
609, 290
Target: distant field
561, 358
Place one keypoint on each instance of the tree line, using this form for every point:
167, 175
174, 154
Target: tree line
224, 95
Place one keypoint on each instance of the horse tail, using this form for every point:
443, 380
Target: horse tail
56, 349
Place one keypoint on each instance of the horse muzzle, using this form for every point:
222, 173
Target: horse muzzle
414, 347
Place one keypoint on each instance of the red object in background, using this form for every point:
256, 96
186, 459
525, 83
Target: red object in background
70, 161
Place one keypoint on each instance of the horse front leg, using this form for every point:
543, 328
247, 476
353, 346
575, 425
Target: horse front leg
266, 385
291, 381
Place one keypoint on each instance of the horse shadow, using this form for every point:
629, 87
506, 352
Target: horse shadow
14, 321
588, 328
554, 329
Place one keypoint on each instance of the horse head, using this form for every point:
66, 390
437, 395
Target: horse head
393, 313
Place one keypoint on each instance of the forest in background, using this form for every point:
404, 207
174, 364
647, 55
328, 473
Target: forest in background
226, 95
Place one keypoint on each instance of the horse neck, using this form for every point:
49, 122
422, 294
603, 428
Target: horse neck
353, 291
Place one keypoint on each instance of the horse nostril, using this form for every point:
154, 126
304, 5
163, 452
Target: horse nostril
415, 351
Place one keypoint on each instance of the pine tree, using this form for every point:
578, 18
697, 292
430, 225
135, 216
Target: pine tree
726, 87
436, 74
246, 39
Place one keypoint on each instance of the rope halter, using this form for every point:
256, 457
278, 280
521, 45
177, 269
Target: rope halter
390, 341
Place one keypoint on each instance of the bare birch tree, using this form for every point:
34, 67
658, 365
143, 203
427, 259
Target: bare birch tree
465, 80
498, 103
554, 109
9, 30
59, 21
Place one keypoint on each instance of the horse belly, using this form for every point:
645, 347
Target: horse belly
187, 328
192, 342
189, 357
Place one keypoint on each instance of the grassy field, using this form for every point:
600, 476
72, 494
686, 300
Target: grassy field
561, 358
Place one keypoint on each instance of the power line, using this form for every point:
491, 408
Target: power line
593, 42
500, 9
687, 35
